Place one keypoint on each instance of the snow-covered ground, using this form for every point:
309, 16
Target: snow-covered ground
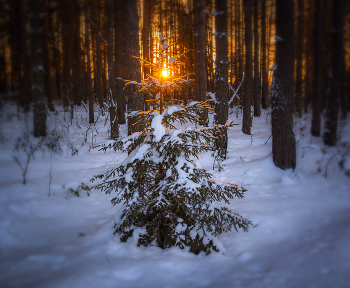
51, 238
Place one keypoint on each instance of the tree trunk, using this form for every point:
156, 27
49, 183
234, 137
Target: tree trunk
334, 91
37, 69
247, 109
283, 140
299, 55
88, 84
132, 65
199, 7
316, 97
119, 65
257, 111
111, 74
265, 83
98, 76
221, 73
77, 57
240, 58
25, 81
46, 56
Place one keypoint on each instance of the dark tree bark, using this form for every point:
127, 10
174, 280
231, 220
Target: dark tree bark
221, 73
66, 50
199, 7
46, 55
240, 51
334, 91
25, 80
317, 93
15, 44
299, 56
77, 57
98, 76
37, 69
145, 35
132, 65
257, 111
119, 67
88, 81
248, 73
265, 83
283, 140
111, 74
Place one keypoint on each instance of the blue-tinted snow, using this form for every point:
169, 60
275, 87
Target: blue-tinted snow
302, 238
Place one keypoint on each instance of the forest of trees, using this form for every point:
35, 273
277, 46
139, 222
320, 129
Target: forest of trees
292, 55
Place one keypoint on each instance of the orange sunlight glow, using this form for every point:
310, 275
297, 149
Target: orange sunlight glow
164, 73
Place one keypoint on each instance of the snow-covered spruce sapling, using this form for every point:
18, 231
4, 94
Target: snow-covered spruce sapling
168, 198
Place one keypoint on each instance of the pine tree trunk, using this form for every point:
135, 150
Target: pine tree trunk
299, 56
88, 84
98, 76
283, 140
65, 8
247, 109
132, 65
199, 7
334, 91
111, 73
46, 56
240, 57
257, 111
221, 73
317, 93
37, 69
119, 65
15, 44
265, 83
25, 80
77, 57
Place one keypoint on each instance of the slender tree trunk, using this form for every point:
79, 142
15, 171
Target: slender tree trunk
46, 56
199, 7
316, 97
65, 7
283, 140
98, 76
247, 109
132, 65
25, 80
299, 56
265, 83
119, 65
15, 44
240, 57
334, 91
88, 84
37, 69
221, 73
111, 74
77, 57
257, 110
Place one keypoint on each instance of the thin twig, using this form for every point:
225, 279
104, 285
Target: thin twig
268, 139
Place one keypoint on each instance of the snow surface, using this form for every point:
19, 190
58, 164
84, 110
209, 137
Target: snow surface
301, 239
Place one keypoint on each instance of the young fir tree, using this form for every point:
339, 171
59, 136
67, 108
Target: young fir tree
168, 198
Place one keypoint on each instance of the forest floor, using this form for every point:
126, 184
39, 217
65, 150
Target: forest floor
51, 238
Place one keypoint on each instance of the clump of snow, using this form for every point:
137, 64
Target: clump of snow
159, 130
171, 110
172, 60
